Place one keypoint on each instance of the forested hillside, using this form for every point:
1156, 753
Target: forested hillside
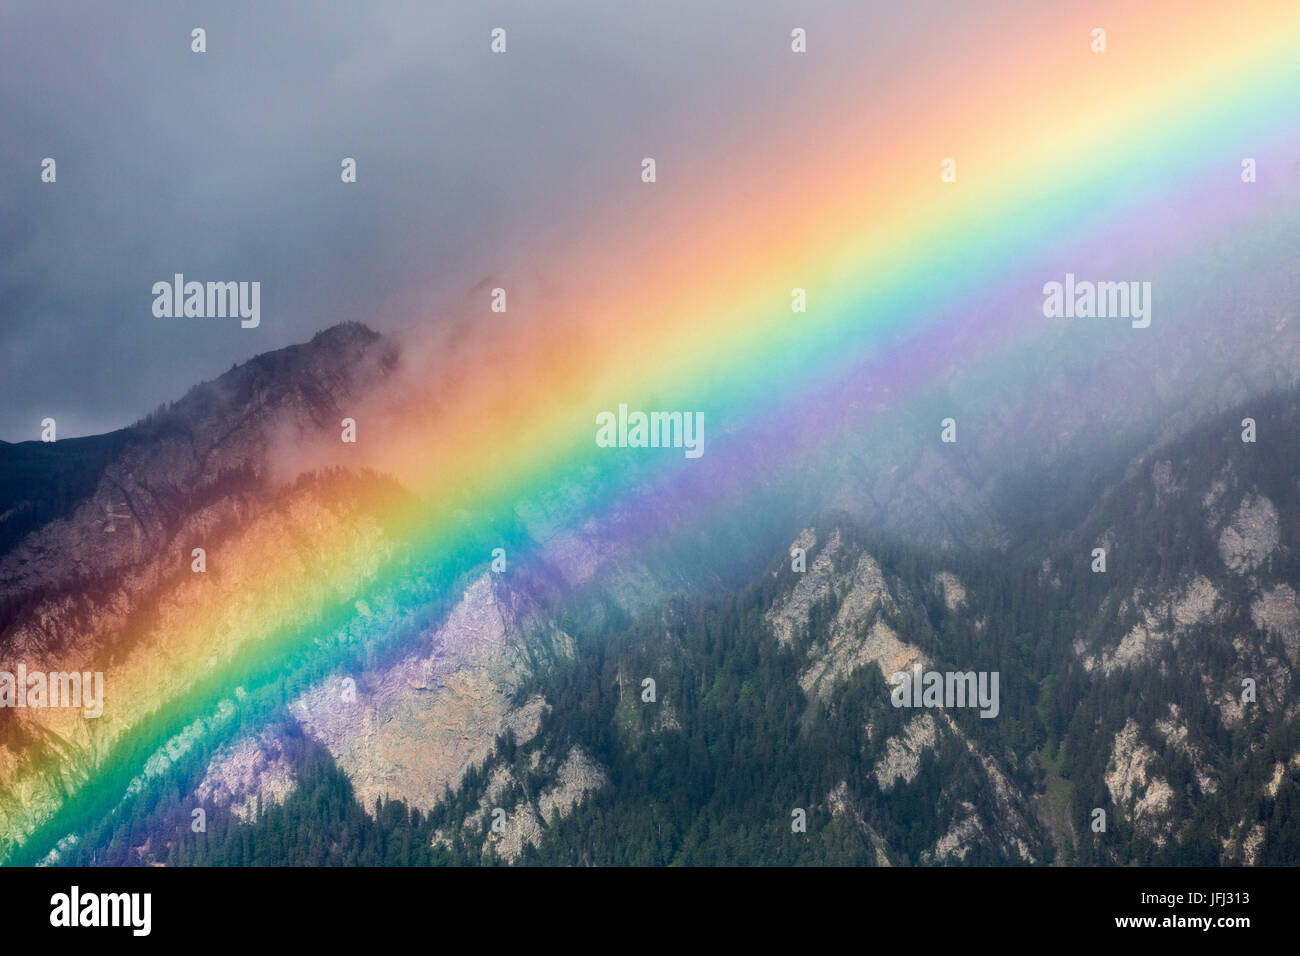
697, 732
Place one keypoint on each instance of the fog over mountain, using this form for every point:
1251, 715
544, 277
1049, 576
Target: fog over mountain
226, 166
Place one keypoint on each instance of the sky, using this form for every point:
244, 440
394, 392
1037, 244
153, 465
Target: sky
225, 165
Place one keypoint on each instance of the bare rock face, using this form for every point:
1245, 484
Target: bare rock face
951, 589
964, 832
1276, 611
1126, 773
255, 772
1147, 798
577, 776
1280, 770
1198, 602
410, 730
832, 664
522, 828
512, 825
1252, 844
813, 586
857, 635
903, 753
1251, 536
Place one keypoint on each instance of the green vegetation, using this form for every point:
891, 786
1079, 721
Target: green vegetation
710, 772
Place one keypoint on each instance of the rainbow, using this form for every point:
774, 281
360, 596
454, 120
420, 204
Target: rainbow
1116, 164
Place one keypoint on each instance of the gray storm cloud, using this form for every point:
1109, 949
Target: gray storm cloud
224, 166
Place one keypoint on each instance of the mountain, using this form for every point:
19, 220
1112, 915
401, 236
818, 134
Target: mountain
328, 690
1120, 691
105, 582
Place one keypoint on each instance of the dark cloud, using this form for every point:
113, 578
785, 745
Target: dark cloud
225, 166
